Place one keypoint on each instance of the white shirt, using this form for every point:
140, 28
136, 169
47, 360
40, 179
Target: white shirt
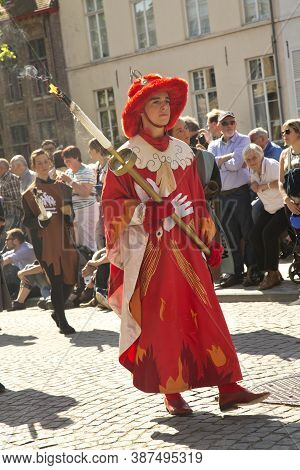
271, 198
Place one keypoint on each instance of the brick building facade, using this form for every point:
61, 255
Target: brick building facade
28, 114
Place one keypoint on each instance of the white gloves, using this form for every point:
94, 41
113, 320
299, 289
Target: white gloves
180, 203
182, 209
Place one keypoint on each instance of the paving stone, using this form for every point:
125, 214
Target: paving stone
73, 393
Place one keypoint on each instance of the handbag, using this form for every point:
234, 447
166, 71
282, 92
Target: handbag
291, 182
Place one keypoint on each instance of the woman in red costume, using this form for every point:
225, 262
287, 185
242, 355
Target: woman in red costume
173, 333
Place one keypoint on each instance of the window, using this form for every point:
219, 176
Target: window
107, 114
205, 92
144, 20
97, 28
256, 10
14, 85
197, 16
20, 140
296, 69
38, 58
264, 95
47, 130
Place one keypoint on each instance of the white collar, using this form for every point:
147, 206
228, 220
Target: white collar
178, 154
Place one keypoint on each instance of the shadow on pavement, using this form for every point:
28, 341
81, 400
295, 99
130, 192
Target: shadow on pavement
14, 340
95, 338
209, 431
31, 406
264, 342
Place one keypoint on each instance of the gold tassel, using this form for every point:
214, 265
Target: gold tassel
165, 180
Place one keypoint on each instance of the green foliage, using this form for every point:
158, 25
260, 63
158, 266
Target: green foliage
6, 53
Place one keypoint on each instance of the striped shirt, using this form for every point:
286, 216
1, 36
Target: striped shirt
83, 175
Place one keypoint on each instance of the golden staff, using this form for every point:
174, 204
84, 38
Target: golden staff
123, 162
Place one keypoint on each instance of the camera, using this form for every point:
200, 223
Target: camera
202, 140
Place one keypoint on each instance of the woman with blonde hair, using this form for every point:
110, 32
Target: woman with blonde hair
290, 159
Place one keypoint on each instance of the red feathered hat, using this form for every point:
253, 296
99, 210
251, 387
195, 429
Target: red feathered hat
140, 91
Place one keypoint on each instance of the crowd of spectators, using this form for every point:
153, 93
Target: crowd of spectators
243, 179
248, 173
20, 268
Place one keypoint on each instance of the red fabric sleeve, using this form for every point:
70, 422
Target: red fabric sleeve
155, 213
119, 201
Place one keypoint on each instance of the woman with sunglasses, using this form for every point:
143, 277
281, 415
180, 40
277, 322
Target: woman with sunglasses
52, 239
290, 159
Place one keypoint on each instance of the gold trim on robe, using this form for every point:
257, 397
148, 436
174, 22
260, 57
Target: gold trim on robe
188, 271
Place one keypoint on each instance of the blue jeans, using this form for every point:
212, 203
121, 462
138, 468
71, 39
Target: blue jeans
40, 281
236, 220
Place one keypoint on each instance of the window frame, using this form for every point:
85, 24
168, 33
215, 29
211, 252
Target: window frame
108, 108
95, 13
200, 34
24, 144
264, 80
12, 83
206, 90
39, 88
149, 46
257, 19
295, 80
52, 137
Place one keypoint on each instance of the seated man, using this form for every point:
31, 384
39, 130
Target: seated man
31, 276
260, 136
18, 254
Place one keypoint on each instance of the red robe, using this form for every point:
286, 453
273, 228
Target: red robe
173, 333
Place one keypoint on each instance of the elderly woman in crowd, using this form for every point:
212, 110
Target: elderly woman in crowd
272, 221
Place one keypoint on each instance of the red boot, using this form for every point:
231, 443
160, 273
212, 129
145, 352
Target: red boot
231, 396
176, 405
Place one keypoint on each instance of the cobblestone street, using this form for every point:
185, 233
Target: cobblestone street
72, 393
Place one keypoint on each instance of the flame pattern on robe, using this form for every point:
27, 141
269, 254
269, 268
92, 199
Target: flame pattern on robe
174, 330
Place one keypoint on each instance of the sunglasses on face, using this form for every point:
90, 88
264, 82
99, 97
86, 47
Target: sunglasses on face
228, 123
286, 132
